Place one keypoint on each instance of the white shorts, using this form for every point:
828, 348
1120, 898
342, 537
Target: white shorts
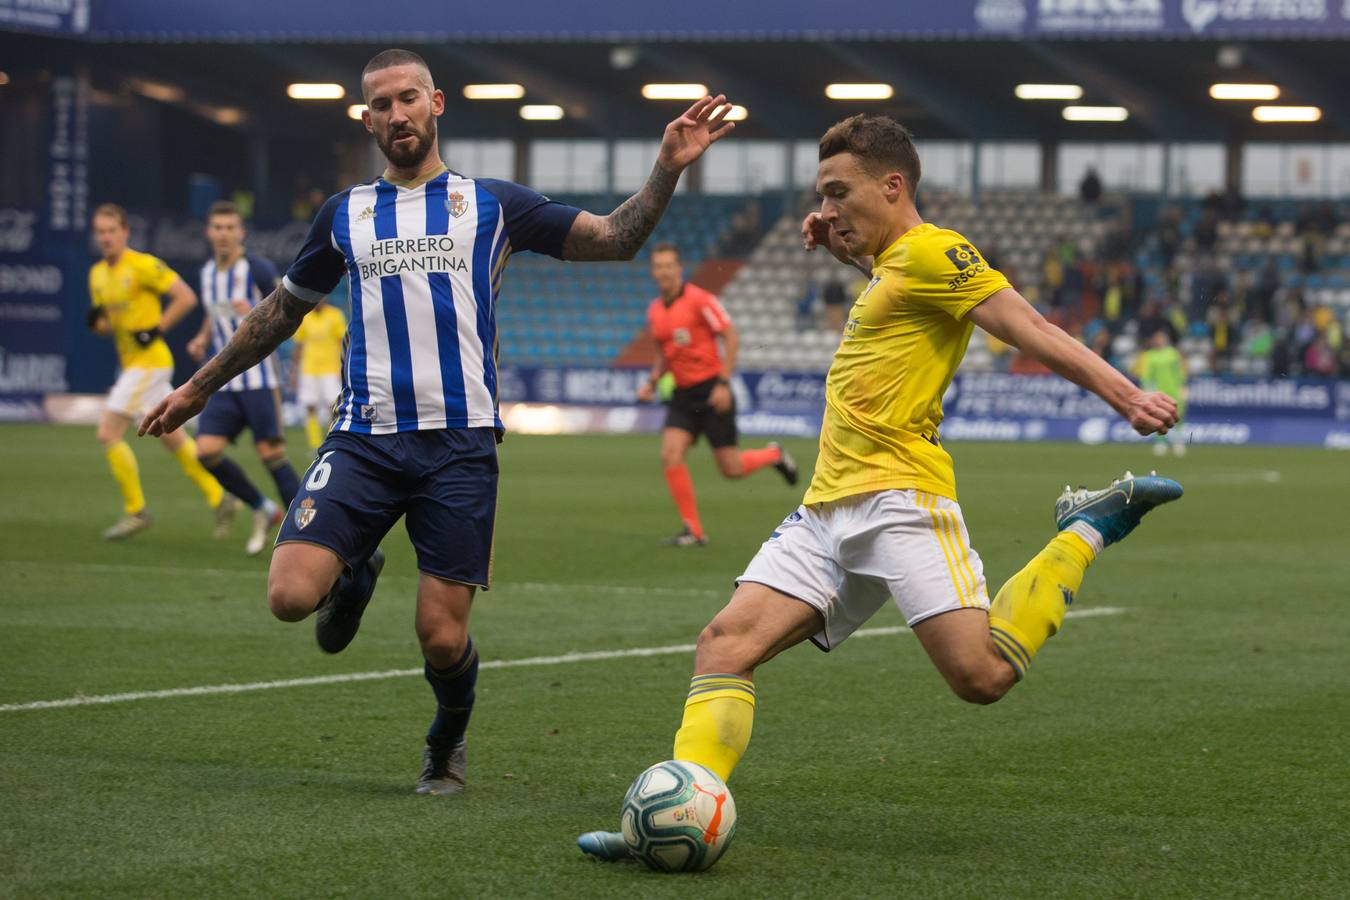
136, 391
847, 557
318, 391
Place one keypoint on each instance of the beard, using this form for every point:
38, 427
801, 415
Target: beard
408, 157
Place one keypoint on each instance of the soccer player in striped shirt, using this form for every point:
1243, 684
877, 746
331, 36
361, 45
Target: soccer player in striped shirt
417, 423
232, 283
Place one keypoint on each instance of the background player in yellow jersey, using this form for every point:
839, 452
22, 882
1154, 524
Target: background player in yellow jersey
880, 519
125, 288
1161, 368
319, 338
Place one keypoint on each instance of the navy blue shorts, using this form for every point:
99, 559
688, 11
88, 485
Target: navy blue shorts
443, 480
228, 413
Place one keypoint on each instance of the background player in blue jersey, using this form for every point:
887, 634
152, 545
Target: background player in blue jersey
416, 426
232, 283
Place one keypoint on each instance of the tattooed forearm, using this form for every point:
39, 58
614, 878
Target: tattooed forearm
262, 331
622, 233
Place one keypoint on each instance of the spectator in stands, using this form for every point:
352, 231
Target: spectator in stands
1258, 343
1169, 235
1151, 319
1207, 231
806, 304
836, 305
1319, 359
1223, 319
1090, 188
1264, 226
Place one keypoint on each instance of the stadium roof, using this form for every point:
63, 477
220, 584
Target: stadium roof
942, 89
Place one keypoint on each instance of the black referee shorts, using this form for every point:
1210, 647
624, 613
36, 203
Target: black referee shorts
689, 411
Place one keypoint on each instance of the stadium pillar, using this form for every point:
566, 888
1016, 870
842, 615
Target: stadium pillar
1167, 186
1232, 167
975, 172
1049, 167
694, 178
520, 172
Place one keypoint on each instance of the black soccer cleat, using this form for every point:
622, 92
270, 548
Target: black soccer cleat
443, 771
685, 538
786, 465
339, 614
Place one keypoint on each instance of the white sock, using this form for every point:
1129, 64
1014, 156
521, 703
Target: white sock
1089, 534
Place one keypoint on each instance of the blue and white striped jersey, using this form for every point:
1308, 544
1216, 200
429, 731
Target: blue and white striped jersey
425, 265
251, 278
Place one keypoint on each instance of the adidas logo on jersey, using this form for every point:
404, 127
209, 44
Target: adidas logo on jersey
367, 213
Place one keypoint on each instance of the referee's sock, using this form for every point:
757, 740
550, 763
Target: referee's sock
454, 690
233, 479
758, 459
682, 490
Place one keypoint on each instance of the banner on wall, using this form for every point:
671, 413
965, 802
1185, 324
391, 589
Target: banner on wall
706, 20
979, 407
42, 260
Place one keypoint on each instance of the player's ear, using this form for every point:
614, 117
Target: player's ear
895, 186
365, 120
437, 102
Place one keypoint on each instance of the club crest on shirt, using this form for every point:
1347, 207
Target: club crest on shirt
305, 513
455, 204
369, 411
681, 337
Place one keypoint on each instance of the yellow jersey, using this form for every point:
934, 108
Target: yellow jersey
129, 291
320, 338
905, 336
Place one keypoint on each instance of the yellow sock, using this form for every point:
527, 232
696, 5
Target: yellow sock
718, 716
313, 431
186, 454
128, 476
1030, 607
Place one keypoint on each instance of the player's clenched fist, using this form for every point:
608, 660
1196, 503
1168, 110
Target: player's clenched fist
171, 412
1152, 413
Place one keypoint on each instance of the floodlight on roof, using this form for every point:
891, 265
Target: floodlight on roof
1048, 92
541, 112
845, 91
304, 91
1287, 113
1244, 91
674, 91
1096, 113
494, 91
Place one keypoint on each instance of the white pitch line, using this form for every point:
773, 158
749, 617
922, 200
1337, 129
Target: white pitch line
591, 656
502, 587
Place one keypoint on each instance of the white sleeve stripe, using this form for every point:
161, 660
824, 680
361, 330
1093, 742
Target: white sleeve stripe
304, 293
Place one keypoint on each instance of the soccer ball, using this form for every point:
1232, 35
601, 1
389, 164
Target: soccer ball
678, 817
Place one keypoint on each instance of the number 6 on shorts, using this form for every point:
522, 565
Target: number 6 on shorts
319, 475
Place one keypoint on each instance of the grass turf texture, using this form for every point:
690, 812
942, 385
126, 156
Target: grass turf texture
1192, 746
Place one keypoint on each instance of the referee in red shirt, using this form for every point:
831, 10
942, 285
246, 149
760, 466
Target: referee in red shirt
686, 322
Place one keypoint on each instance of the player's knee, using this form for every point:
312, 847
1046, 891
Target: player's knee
209, 458
732, 470
722, 647
445, 647
979, 685
671, 458
290, 600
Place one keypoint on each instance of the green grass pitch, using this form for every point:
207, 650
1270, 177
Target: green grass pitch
1193, 745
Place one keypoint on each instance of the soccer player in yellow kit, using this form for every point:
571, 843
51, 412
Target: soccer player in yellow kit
125, 289
880, 519
320, 340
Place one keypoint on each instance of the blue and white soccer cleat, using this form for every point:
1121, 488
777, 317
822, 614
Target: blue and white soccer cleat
1115, 511
607, 846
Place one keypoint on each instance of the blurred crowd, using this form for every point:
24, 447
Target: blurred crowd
1243, 314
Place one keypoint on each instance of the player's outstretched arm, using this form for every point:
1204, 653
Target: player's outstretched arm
1010, 318
262, 331
622, 233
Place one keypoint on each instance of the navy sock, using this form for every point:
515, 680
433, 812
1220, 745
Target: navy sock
356, 581
454, 698
233, 479
288, 483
